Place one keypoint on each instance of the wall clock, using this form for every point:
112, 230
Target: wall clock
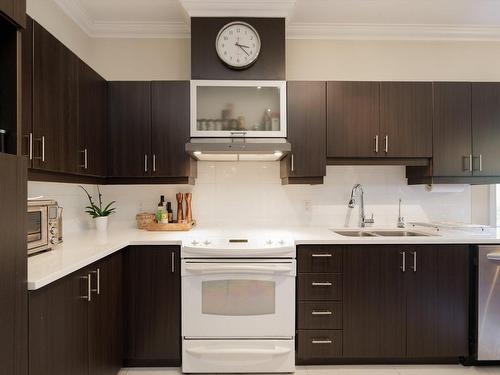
238, 45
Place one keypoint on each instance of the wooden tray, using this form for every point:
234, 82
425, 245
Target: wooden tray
158, 227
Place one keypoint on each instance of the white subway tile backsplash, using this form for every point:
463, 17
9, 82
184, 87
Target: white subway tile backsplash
251, 194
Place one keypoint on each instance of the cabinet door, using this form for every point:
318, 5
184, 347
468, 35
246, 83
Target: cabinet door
15, 10
452, 144
152, 306
486, 128
306, 128
129, 129
92, 121
353, 119
374, 302
170, 129
406, 119
13, 295
55, 104
437, 287
27, 91
106, 317
58, 341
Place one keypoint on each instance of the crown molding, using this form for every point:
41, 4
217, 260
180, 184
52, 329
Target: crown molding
77, 13
238, 8
392, 32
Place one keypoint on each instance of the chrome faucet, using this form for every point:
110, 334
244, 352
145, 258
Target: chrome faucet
352, 202
401, 220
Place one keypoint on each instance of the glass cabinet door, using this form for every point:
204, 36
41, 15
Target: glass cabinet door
238, 109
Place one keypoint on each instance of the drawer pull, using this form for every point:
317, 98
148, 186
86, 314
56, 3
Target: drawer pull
314, 283
328, 342
321, 312
324, 255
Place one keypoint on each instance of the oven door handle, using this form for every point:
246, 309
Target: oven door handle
277, 350
231, 268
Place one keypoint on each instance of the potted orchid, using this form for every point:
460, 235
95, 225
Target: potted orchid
97, 212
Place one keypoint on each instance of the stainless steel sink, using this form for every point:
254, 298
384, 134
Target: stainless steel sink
400, 233
354, 233
380, 233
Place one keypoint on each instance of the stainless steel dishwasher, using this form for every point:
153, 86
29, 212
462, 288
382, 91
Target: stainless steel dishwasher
488, 303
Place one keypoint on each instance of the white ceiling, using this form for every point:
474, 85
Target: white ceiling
332, 19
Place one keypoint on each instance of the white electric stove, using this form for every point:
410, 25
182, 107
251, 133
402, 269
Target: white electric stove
238, 305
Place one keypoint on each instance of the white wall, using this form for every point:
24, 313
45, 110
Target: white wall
250, 193
169, 59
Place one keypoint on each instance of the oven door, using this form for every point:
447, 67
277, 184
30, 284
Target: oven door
235, 299
37, 229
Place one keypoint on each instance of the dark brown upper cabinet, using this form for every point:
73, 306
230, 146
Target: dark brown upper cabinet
27, 91
452, 130
306, 129
129, 129
15, 10
353, 129
205, 64
170, 129
486, 129
406, 119
55, 104
92, 99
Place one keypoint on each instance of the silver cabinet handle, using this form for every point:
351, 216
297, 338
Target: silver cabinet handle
480, 163
98, 286
30, 146
321, 341
88, 297
145, 163
41, 157
321, 312
85, 159
292, 166
327, 283
154, 162
322, 255
386, 146
471, 167
173, 262
467, 163
414, 267
403, 266
376, 144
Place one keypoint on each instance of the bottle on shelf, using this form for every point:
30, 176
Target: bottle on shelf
160, 209
170, 213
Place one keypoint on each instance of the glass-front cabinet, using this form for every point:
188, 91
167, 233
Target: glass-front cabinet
224, 109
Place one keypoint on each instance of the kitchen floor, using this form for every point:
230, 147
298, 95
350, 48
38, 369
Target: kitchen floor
350, 370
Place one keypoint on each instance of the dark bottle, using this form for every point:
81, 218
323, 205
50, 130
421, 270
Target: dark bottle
170, 212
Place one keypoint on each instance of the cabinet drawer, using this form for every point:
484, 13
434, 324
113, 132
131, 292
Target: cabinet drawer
319, 259
320, 344
319, 315
319, 287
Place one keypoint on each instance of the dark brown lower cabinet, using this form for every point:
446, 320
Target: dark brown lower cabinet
13, 294
152, 306
399, 303
75, 322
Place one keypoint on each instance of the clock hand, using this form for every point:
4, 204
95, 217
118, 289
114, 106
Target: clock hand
242, 45
243, 50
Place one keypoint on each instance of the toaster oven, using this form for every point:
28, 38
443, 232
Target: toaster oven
44, 225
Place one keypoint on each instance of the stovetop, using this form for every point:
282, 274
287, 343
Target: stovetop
238, 248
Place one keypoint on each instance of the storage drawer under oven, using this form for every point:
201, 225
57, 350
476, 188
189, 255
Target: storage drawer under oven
319, 287
319, 315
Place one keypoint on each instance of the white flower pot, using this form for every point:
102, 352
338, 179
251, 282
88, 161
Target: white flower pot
101, 223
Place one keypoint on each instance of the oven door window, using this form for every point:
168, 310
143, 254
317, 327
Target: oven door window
238, 297
34, 226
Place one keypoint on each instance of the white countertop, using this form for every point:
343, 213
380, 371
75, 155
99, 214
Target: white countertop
86, 247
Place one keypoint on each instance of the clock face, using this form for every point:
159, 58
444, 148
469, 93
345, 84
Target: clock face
238, 45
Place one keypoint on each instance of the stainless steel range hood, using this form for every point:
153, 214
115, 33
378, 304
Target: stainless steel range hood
238, 149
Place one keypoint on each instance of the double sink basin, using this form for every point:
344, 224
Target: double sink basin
381, 233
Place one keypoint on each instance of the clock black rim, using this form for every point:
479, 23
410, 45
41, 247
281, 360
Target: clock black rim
256, 56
